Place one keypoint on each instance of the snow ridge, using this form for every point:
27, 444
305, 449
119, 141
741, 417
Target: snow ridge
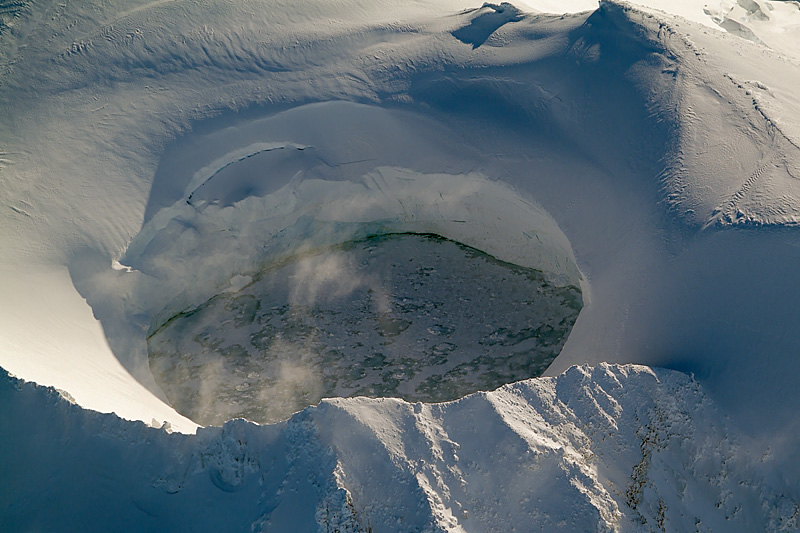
610, 448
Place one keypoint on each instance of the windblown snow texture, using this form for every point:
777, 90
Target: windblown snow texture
151, 153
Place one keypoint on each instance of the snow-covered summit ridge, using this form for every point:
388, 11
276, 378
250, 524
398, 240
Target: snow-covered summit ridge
610, 448
772, 23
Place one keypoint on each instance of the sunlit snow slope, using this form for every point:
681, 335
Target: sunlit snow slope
154, 155
604, 449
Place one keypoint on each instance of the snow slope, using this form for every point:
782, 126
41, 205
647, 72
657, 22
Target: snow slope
656, 156
614, 448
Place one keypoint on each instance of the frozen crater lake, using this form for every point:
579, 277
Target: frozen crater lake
413, 316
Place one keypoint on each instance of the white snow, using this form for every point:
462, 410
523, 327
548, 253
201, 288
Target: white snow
614, 448
149, 150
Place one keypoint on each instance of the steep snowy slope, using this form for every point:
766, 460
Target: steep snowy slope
605, 449
156, 155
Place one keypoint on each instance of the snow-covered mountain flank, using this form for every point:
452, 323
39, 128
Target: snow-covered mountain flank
603, 449
331, 214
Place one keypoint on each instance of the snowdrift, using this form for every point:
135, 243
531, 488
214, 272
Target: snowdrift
153, 155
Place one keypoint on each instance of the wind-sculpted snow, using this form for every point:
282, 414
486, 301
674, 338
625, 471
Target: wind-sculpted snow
611, 448
490, 18
156, 154
736, 153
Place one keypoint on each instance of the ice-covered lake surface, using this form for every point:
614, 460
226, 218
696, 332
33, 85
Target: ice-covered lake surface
417, 317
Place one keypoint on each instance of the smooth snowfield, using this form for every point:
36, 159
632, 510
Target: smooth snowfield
147, 150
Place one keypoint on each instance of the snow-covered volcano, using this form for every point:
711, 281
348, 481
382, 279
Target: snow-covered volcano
207, 200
